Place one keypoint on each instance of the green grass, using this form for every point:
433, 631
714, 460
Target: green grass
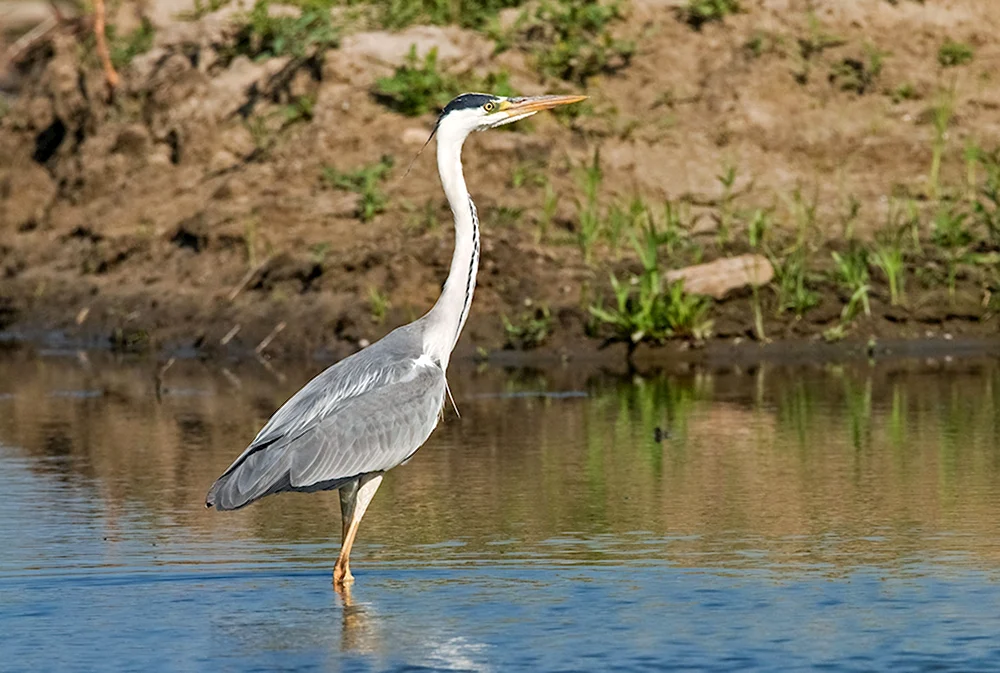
699, 12
417, 87
529, 331
420, 85
644, 309
571, 39
588, 209
265, 36
852, 274
986, 207
724, 219
300, 109
792, 284
476, 14
858, 75
550, 203
941, 115
378, 305
904, 91
364, 181
890, 257
202, 8
125, 48
813, 44
952, 54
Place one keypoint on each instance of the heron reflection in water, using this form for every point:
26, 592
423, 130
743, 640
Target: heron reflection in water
372, 410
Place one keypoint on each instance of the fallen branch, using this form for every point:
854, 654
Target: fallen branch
24, 44
102, 46
229, 335
269, 338
247, 277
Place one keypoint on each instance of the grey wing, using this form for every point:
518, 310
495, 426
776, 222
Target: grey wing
370, 432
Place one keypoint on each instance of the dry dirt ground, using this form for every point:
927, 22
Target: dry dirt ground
190, 206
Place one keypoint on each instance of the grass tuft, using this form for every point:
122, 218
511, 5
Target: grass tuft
364, 181
953, 54
699, 12
572, 40
265, 35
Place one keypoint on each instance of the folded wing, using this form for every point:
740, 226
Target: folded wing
325, 445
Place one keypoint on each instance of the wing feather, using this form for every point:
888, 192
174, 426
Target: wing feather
372, 431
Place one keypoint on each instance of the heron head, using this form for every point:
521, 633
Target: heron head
470, 112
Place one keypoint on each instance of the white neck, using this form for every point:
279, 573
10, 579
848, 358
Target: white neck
446, 319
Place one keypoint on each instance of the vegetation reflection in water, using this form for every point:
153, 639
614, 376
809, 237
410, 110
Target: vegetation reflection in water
788, 470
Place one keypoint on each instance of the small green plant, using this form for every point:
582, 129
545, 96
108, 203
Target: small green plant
550, 203
852, 272
727, 180
836, 333
531, 174
417, 87
364, 181
571, 39
858, 75
951, 233
904, 91
125, 48
792, 285
530, 331
477, 14
646, 311
675, 235
318, 251
378, 304
949, 228
987, 205
941, 119
617, 222
643, 311
952, 54
503, 216
890, 258
300, 109
699, 12
813, 44
588, 212
420, 86
758, 228
202, 9
496, 83
265, 35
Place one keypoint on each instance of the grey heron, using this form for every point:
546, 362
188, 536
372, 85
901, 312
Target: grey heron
372, 410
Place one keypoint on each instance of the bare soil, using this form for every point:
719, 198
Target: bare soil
189, 207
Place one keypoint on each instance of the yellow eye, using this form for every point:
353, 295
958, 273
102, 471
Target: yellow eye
490, 107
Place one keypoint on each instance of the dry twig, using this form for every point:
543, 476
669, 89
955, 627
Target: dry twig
269, 338
102, 46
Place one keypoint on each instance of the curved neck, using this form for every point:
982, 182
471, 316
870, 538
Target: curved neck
446, 319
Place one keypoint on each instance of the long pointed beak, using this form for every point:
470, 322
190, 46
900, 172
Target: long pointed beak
520, 106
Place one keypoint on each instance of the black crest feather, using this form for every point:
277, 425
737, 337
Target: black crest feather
466, 101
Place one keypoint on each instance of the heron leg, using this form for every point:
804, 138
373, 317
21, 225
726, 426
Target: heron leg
354, 501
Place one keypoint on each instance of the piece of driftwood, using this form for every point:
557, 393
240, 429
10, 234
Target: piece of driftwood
716, 279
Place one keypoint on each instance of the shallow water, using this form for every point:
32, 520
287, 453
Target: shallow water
832, 518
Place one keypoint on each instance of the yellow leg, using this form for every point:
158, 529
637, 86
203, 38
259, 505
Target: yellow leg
354, 501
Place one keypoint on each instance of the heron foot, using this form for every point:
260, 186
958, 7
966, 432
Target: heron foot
342, 575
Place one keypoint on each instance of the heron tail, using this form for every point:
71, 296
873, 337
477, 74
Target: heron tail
257, 473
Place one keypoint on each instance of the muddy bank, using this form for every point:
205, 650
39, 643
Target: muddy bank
194, 209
